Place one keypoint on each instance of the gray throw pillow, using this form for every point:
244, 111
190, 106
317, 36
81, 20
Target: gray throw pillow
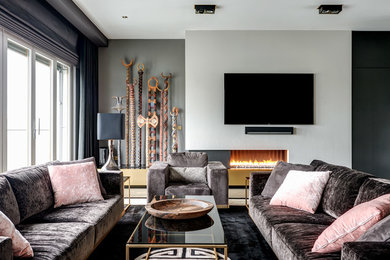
278, 175
188, 174
371, 189
380, 232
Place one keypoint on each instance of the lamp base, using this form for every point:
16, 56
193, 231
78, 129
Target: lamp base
110, 165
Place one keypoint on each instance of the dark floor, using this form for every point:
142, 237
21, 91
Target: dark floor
244, 239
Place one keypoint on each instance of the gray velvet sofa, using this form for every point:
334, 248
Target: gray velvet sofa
67, 232
216, 179
291, 233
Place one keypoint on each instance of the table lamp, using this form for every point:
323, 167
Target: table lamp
110, 127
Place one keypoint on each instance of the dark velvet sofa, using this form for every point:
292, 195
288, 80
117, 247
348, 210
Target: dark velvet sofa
291, 233
67, 232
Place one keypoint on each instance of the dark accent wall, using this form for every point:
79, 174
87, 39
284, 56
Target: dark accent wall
371, 102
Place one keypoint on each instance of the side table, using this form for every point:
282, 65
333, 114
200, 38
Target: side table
126, 179
246, 191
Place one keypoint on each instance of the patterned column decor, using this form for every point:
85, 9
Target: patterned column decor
175, 145
119, 107
164, 118
147, 122
127, 66
152, 110
132, 124
140, 68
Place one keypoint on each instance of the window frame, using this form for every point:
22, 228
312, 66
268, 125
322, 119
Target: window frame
4, 37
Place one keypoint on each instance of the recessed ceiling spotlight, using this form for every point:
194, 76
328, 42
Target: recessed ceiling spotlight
204, 9
124, 16
330, 9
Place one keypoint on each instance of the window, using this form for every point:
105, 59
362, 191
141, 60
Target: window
37, 123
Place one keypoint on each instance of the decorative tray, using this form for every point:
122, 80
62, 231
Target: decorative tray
179, 208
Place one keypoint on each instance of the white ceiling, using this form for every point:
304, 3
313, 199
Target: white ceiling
169, 19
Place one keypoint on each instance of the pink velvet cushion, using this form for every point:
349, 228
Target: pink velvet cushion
301, 190
74, 183
352, 224
20, 246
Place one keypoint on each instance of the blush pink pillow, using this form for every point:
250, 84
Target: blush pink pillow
74, 183
352, 224
20, 246
301, 190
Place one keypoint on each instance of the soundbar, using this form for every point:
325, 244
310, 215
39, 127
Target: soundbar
269, 130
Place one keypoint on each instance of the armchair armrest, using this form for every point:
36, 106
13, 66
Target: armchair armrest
218, 181
6, 252
157, 179
112, 182
365, 250
257, 183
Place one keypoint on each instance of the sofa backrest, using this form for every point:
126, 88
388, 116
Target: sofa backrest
188, 159
8, 204
342, 188
371, 189
32, 189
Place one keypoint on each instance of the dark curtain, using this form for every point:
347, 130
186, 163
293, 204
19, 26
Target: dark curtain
39, 23
86, 101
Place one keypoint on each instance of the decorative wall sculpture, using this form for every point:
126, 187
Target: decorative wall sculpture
147, 122
149, 119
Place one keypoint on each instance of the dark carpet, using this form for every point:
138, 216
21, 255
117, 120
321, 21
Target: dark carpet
244, 239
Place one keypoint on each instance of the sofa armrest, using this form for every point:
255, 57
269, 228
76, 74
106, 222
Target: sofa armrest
157, 179
6, 252
112, 182
365, 250
218, 181
257, 182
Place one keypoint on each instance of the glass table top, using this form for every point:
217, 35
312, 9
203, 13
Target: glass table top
205, 230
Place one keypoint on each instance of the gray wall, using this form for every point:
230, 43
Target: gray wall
158, 56
327, 54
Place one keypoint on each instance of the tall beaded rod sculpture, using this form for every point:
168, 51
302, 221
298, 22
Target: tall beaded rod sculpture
127, 66
119, 107
132, 124
175, 145
147, 122
140, 68
164, 118
152, 110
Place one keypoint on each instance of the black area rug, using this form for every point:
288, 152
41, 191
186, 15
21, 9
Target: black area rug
244, 239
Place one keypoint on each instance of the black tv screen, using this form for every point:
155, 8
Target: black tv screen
268, 98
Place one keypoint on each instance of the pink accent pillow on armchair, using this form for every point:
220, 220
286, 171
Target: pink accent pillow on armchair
20, 246
74, 183
301, 190
352, 224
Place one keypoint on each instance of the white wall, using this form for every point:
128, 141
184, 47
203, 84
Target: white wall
327, 54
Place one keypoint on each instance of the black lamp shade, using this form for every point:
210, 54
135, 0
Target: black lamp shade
110, 126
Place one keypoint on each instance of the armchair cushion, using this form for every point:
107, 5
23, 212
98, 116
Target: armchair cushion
218, 181
187, 174
188, 159
180, 189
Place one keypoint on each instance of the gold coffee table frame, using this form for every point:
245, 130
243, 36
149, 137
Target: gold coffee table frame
150, 246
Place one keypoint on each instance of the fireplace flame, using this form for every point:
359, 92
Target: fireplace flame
265, 164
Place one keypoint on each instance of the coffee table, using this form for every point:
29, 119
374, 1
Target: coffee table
205, 232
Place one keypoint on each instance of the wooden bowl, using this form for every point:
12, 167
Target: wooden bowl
179, 208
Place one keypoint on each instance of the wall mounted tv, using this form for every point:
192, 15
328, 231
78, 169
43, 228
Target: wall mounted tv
269, 98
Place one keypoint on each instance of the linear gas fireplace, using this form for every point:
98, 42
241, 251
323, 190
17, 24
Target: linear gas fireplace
257, 159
